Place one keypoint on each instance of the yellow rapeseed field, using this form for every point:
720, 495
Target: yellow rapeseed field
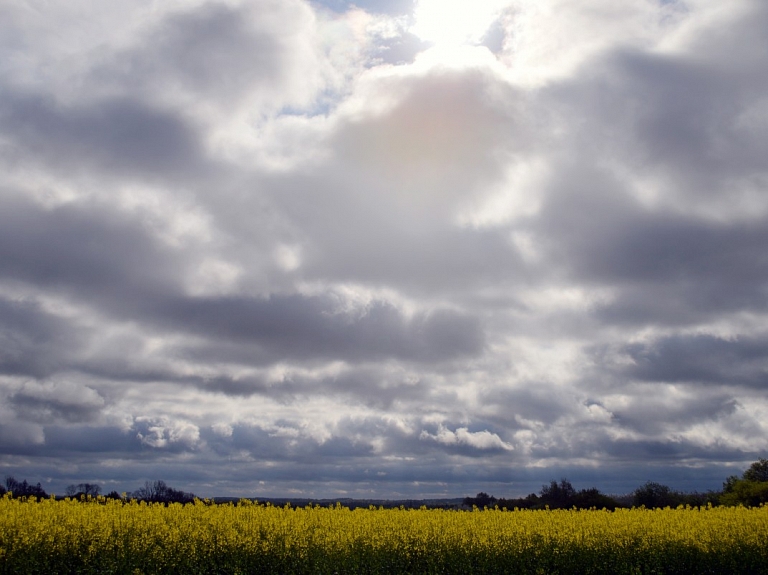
109, 536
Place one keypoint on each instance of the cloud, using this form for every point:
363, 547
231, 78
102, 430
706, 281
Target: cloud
700, 359
166, 433
34, 343
81, 249
456, 22
551, 40
223, 55
116, 135
272, 248
481, 440
296, 327
65, 400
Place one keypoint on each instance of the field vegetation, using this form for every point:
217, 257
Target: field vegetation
109, 536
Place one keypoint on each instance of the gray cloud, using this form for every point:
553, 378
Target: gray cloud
78, 405
83, 250
217, 53
81, 440
299, 327
34, 343
289, 249
664, 267
701, 359
384, 211
119, 135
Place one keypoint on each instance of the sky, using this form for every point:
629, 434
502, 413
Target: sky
413, 248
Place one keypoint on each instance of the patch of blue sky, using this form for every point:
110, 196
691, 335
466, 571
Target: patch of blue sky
390, 7
322, 106
400, 49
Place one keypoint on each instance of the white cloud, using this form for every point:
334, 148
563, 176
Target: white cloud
165, 432
548, 40
223, 429
454, 21
483, 440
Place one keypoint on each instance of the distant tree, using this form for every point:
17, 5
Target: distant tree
2, 491
145, 493
24, 489
561, 495
589, 498
697, 499
558, 495
83, 489
652, 495
12, 484
482, 499
159, 492
113, 495
530, 501
485, 500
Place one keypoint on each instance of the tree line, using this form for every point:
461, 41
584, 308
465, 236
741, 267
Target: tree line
751, 490
151, 492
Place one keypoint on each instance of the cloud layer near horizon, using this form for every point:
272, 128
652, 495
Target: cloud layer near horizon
262, 247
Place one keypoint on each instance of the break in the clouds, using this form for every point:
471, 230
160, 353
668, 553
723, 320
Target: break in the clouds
417, 248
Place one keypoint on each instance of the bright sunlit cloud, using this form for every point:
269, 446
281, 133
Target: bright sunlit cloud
454, 22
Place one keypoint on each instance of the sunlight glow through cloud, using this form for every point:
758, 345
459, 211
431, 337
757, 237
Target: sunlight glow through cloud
454, 22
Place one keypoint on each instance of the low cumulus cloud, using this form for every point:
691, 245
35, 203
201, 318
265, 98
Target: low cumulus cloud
383, 249
480, 440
